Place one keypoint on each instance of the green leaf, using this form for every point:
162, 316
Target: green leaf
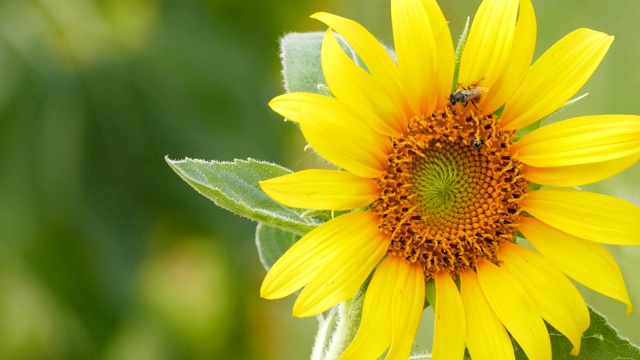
600, 341
301, 67
300, 56
234, 187
272, 243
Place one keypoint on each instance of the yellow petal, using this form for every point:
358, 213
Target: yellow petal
359, 91
576, 175
587, 215
321, 189
487, 339
581, 140
361, 155
375, 330
524, 43
555, 77
372, 53
586, 262
289, 105
489, 44
302, 262
336, 133
417, 54
560, 303
340, 278
406, 307
444, 50
516, 309
449, 329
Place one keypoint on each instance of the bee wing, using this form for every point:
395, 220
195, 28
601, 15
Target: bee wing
482, 90
479, 93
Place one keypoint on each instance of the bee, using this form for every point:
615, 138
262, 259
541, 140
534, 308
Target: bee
477, 143
471, 94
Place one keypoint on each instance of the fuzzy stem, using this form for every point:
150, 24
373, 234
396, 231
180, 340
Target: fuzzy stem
323, 337
344, 321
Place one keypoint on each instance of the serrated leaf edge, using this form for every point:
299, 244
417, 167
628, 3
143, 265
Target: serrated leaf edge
302, 227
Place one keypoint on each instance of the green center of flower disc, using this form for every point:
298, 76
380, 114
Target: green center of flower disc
450, 194
443, 178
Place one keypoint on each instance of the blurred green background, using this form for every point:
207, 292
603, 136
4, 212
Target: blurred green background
104, 252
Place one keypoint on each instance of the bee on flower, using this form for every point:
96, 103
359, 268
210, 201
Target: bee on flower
464, 95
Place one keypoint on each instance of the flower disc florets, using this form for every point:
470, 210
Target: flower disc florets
449, 197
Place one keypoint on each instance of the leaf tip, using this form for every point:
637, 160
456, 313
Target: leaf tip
172, 162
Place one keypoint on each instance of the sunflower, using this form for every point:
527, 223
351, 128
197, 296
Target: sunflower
435, 185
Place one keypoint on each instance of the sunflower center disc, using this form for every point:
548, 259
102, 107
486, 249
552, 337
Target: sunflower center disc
450, 195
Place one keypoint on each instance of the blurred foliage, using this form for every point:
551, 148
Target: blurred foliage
104, 252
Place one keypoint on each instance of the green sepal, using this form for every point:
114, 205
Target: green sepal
321, 215
430, 293
527, 129
462, 42
234, 186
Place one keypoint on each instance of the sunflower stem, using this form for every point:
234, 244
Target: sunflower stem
326, 322
346, 319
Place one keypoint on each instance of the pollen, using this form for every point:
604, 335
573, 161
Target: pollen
450, 195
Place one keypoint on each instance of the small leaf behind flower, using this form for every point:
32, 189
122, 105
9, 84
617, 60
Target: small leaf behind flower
234, 186
301, 67
300, 56
272, 243
600, 341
